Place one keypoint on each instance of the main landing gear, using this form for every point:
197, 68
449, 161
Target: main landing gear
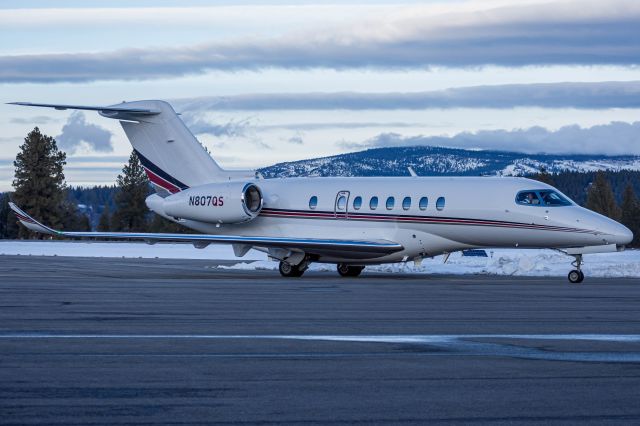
293, 271
576, 276
289, 270
349, 270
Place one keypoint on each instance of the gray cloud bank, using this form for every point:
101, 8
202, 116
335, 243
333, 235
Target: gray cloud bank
616, 138
37, 120
201, 126
597, 95
77, 132
562, 32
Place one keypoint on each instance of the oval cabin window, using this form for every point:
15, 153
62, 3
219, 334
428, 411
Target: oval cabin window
373, 204
313, 202
357, 203
342, 202
440, 203
390, 202
406, 203
424, 202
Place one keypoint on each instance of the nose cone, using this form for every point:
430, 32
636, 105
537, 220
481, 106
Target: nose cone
622, 235
604, 230
615, 233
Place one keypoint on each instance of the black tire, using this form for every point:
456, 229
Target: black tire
575, 276
349, 270
288, 270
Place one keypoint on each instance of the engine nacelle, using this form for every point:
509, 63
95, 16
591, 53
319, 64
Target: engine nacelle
232, 202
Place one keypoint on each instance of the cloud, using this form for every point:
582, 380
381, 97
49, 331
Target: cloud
77, 133
591, 95
297, 139
616, 138
37, 120
570, 32
232, 128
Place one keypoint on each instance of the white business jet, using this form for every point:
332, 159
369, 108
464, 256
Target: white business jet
352, 222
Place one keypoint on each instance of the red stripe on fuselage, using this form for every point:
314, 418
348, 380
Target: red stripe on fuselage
415, 219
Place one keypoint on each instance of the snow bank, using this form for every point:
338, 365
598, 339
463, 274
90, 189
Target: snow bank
500, 261
121, 249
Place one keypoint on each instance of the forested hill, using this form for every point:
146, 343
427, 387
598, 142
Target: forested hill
576, 184
438, 161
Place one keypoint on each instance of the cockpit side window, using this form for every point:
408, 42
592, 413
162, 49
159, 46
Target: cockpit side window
528, 197
552, 198
543, 197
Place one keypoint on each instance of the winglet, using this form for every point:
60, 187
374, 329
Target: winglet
30, 222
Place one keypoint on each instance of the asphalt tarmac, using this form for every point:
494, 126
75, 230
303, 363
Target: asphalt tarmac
139, 341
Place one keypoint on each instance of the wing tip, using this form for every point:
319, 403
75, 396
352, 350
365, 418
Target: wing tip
28, 221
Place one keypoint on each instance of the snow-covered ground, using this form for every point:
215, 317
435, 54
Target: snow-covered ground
121, 249
499, 262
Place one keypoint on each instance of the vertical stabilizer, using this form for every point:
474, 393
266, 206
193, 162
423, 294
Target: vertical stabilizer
172, 157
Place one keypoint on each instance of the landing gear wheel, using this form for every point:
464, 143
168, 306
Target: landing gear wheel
349, 270
576, 276
289, 270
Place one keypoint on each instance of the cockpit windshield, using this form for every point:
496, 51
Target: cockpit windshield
542, 197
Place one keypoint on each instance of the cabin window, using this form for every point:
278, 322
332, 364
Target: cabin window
373, 203
440, 203
342, 202
313, 202
390, 202
357, 203
406, 203
424, 202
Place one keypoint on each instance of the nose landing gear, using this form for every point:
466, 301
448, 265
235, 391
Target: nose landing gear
576, 276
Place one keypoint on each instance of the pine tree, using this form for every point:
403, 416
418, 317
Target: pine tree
600, 198
39, 180
160, 224
133, 188
543, 176
104, 224
8, 225
631, 213
74, 220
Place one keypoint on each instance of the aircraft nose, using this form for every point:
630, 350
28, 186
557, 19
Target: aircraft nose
611, 232
622, 235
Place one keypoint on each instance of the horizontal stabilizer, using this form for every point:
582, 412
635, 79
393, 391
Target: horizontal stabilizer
356, 248
108, 111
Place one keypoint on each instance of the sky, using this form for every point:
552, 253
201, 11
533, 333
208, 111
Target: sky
261, 82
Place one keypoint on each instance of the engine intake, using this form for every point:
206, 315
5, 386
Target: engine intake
231, 202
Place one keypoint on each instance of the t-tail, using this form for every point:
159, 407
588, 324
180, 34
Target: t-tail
172, 157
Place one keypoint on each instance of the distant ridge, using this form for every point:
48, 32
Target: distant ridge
439, 161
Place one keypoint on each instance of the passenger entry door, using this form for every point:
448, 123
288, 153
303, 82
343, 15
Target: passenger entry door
342, 205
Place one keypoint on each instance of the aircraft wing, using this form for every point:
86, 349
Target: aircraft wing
353, 248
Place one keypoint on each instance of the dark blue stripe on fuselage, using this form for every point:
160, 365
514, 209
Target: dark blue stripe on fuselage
158, 171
